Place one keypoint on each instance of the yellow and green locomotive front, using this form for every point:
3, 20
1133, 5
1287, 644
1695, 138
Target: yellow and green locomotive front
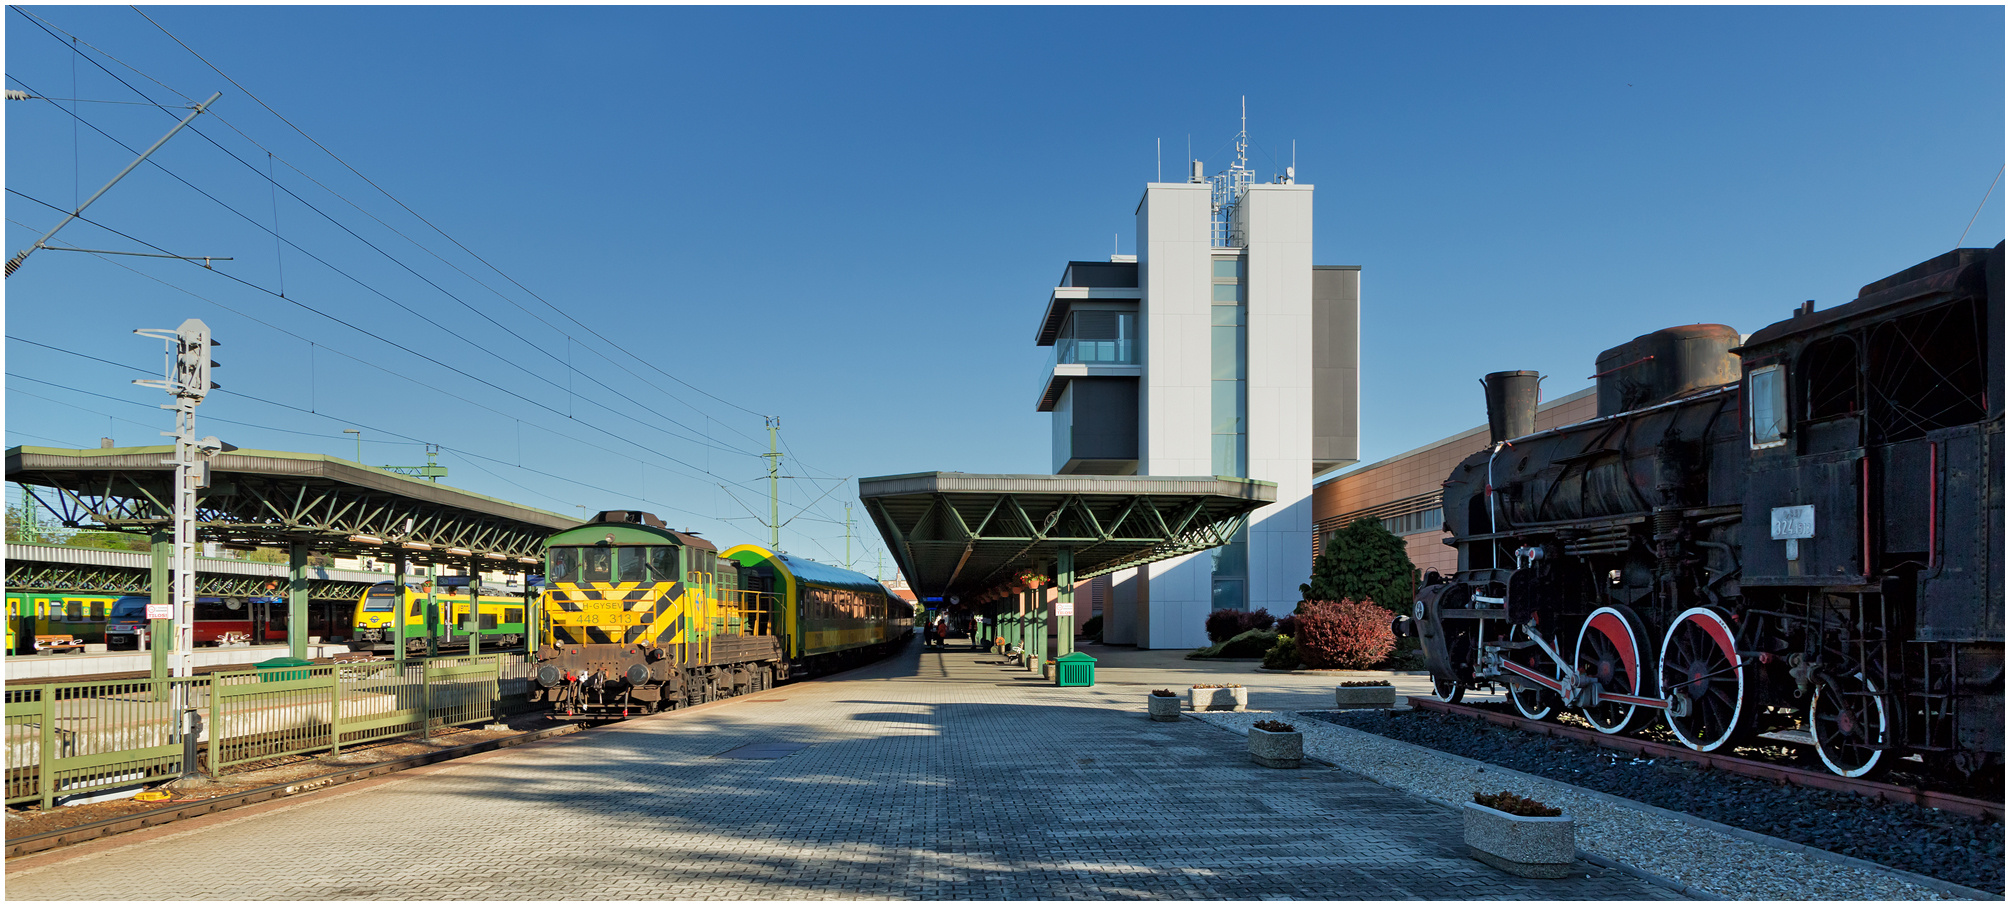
627, 602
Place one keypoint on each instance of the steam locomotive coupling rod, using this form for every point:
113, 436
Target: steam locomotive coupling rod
1576, 689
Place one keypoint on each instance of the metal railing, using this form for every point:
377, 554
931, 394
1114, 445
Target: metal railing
64, 739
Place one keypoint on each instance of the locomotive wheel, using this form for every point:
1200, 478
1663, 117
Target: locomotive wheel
1448, 691
1534, 702
1608, 650
1699, 661
1846, 727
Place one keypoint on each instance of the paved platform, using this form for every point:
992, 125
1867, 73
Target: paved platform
937, 774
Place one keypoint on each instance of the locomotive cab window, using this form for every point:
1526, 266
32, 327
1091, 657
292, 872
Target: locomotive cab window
596, 564
564, 563
1766, 399
663, 564
632, 562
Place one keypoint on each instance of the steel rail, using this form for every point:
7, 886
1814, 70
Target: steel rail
1821, 780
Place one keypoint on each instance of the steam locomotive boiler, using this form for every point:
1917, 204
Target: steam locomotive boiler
1797, 533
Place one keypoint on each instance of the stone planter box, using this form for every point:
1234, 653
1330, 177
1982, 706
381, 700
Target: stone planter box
1163, 707
1364, 696
1219, 699
1276, 750
1527, 847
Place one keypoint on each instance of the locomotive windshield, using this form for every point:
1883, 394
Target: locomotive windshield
601, 563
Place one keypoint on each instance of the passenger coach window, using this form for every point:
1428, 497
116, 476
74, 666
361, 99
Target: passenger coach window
1766, 396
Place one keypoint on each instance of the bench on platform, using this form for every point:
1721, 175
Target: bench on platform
47, 643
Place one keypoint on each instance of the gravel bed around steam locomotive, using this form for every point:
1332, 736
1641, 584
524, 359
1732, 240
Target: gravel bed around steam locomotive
1951, 847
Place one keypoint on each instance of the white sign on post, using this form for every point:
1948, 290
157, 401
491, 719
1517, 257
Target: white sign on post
160, 611
1064, 608
1793, 522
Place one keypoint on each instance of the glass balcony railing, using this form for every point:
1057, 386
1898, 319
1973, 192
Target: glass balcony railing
1095, 352
1070, 351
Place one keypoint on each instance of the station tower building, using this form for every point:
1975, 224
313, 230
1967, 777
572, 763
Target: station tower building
1218, 349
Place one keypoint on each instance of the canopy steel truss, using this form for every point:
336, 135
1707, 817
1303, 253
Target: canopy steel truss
34, 576
974, 536
279, 498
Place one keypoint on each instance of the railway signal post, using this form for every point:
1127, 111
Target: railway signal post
187, 379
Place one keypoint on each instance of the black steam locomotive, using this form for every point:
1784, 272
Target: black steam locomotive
1797, 533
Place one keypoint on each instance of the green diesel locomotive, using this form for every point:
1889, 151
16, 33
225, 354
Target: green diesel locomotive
637, 617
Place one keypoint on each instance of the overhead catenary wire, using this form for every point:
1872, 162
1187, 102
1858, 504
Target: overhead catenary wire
52, 29
352, 278
386, 341
395, 200
270, 176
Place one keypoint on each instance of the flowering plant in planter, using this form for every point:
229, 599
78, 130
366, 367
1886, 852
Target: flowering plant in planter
1520, 836
1218, 697
1276, 744
1364, 694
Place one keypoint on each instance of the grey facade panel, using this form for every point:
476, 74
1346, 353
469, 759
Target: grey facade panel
1105, 418
1101, 274
1336, 366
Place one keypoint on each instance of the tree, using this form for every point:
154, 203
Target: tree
1363, 562
23, 527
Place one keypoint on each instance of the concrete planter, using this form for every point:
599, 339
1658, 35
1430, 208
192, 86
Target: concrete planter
1276, 750
1163, 707
1219, 699
1527, 847
1364, 696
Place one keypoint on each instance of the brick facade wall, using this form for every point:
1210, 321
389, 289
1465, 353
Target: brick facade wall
1414, 481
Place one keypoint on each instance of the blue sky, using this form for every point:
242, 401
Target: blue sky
850, 218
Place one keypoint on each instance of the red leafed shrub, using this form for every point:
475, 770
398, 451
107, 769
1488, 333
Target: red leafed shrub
1343, 635
1287, 625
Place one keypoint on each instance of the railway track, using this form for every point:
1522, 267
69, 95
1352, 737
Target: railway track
1821, 780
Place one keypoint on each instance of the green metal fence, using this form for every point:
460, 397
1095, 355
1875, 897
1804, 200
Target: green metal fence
69, 738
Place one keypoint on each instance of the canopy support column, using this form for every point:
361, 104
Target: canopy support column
1064, 632
398, 614
296, 600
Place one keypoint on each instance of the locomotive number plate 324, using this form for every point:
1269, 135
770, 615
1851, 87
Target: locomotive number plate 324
1793, 522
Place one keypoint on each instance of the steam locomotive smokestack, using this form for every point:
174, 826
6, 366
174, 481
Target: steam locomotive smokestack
1511, 404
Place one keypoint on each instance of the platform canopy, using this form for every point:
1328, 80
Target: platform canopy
268, 497
979, 537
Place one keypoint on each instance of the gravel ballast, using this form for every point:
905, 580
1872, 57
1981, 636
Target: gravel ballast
1967, 851
1708, 860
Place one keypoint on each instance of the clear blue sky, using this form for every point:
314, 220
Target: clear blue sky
851, 218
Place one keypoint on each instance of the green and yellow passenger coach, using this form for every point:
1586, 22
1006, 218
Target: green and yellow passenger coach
638, 617
436, 618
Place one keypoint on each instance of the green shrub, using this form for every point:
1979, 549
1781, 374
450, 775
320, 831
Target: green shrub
1093, 626
1283, 655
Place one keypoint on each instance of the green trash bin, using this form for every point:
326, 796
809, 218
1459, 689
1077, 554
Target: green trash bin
1075, 669
273, 671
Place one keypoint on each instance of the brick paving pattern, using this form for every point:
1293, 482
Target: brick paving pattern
931, 776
